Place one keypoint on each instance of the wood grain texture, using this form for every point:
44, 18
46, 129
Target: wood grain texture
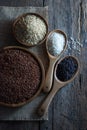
68, 111
83, 76
21, 3
66, 103
19, 125
83, 93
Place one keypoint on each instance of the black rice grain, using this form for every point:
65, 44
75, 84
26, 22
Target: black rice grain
20, 76
66, 69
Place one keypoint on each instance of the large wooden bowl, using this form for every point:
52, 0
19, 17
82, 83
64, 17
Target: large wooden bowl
26, 44
42, 78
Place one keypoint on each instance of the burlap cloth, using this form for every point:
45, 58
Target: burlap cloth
7, 16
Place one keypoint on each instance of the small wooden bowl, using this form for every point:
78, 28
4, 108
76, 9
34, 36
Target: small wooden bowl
41, 83
26, 44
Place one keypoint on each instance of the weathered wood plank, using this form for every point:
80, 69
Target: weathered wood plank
68, 104
83, 39
21, 3
19, 125
83, 23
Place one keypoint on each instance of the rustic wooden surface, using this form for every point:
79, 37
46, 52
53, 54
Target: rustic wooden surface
68, 111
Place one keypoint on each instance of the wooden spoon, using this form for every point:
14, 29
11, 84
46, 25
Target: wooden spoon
57, 84
53, 59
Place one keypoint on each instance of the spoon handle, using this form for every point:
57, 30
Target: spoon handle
49, 77
45, 105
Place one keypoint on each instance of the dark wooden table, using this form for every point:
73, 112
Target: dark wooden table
68, 111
